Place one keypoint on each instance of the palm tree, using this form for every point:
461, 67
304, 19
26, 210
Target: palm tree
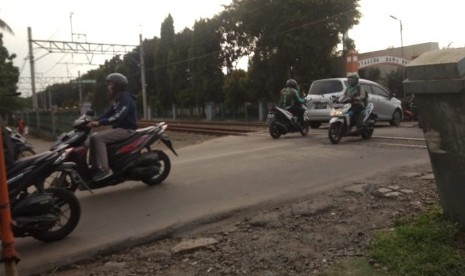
5, 27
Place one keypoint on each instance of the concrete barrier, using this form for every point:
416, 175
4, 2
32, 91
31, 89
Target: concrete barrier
437, 79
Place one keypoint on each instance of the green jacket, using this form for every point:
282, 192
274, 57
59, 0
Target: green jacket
357, 93
289, 97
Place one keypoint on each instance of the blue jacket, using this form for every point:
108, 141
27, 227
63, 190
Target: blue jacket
122, 113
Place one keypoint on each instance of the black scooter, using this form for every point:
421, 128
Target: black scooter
282, 121
130, 159
45, 214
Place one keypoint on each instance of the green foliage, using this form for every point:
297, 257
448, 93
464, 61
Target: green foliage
163, 59
373, 74
288, 38
284, 38
9, 75
427, 245
206, 77
394, 81
235, 88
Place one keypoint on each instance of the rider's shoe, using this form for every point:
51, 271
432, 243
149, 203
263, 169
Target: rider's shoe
101, 175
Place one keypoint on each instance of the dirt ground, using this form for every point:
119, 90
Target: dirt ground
302, 237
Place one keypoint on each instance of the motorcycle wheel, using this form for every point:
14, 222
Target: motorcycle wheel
274, 131
367, 134
25, 153
67, 209
335, 132
163, 172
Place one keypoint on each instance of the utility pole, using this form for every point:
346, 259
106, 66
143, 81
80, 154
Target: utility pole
31, 62
142, 78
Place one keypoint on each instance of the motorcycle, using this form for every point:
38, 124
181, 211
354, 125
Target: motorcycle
282, 121
342, 123
45, 214
21, 148
130, 159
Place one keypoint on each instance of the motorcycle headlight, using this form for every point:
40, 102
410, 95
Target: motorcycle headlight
335, 113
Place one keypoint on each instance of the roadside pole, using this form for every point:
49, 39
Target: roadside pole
9, 256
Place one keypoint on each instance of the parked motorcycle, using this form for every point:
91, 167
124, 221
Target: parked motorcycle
130, 159
282, 121
21, 148
342, 123
44, 214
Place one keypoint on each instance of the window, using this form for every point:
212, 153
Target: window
326, 86
380, 91
367, 88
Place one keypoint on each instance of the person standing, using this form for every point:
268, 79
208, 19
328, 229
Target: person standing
21, 125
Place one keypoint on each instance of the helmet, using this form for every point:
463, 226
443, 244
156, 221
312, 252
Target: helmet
119, 81
352, 79
291, 83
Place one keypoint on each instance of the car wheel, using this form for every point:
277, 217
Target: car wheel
396, 118
315, 125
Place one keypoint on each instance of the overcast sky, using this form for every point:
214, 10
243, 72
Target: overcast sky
103, 21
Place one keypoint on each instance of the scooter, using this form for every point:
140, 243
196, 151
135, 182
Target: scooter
342, 124
130, 159
281, 121
45, 214
21, 148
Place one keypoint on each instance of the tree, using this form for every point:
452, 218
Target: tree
394, 82
9, 76
288, 38
206, 77
163, 58
235, 87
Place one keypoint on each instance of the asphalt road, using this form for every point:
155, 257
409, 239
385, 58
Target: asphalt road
215, 179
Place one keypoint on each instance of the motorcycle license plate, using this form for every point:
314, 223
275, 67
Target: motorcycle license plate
320, 105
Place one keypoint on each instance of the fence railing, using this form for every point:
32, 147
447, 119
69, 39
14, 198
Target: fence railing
49, 124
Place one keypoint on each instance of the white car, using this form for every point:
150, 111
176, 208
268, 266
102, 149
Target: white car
386, 106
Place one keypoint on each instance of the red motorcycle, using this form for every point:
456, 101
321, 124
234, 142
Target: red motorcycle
130, 159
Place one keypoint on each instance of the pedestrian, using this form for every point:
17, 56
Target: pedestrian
21, 125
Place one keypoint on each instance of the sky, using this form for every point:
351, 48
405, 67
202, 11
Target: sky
116, 22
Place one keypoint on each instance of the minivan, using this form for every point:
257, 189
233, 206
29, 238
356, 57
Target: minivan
318, 100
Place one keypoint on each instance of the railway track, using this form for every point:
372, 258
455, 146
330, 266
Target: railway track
211, 128
243, 128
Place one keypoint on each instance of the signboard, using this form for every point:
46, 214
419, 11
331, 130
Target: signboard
384, 60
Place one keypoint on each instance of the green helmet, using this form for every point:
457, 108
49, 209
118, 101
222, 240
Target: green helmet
352, 79
292, 84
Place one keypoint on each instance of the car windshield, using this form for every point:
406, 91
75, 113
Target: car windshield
325, 87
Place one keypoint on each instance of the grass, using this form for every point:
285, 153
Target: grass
430, 244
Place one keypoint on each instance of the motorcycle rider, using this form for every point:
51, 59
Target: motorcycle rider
290, 99
359, 99
122, 118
